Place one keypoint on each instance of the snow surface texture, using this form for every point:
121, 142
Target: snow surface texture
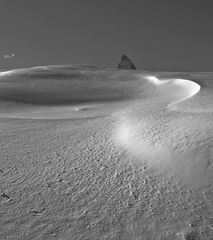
127, 130
90, 153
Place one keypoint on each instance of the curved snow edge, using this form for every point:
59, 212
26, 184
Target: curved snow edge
189, 86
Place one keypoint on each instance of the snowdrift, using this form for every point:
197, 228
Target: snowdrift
33, 91
102, 153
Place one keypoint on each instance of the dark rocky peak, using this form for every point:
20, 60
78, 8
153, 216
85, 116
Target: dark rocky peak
126, 63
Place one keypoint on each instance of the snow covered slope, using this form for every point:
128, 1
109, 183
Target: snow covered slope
89, 153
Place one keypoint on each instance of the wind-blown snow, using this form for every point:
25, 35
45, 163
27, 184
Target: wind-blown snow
101, 154
129, 136
189, 87
127, 128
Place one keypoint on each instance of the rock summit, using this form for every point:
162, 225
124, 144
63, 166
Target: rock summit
126, 63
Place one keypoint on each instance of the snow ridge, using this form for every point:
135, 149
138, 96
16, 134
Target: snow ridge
191, 88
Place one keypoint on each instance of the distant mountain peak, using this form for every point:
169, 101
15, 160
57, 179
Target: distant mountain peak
126, 63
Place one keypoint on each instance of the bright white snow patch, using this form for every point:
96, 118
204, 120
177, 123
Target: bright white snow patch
129, 137
156, 81
124, 133
15, 71
188, 87
191, 87
22, 70
6, 73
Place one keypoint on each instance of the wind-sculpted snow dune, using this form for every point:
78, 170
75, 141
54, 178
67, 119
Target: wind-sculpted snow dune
90, 153
163, 129
187, 88
28, 92
66, 90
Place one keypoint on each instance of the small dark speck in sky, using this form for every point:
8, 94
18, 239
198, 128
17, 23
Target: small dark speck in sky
167, 35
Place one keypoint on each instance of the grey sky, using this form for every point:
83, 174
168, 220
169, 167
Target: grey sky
172, 35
